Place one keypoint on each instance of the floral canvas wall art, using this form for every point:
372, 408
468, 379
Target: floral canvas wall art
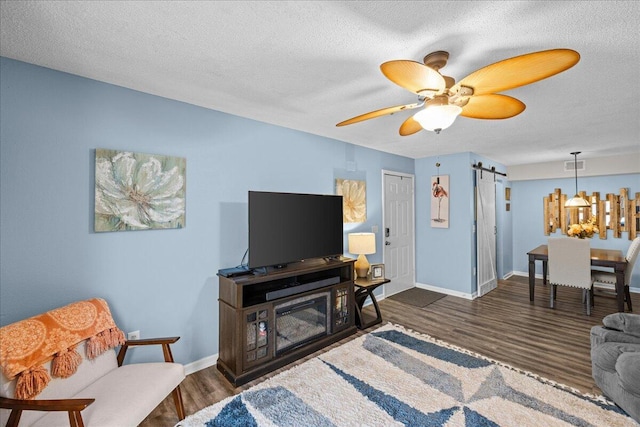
354, 200
440, 201
135, 191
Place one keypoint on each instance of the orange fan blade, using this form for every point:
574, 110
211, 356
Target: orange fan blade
492, 106
409, 127
519, 71
378, 113
414, 76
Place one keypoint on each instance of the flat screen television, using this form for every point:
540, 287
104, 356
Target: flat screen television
291, 227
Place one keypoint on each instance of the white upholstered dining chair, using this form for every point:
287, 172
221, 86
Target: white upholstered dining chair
570, 265
605, 281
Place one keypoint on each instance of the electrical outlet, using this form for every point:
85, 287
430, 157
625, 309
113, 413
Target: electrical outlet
135, 335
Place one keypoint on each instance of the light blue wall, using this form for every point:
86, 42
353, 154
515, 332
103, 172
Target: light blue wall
162, 282
504, 221
526, 207
446, 257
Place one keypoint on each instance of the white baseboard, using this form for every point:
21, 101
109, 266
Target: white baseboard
525, 274
203, 363
447, 291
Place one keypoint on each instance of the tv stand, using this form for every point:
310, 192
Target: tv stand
272, 319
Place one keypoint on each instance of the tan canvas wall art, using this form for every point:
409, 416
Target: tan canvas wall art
354, 199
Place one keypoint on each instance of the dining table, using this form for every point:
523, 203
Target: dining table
608, 258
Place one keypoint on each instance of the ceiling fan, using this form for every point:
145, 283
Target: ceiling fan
475, 96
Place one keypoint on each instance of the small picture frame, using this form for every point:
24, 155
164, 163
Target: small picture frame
377, 271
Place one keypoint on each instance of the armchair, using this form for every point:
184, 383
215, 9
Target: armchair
60, 368
615, 360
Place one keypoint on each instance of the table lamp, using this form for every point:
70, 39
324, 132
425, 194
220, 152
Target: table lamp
362, 244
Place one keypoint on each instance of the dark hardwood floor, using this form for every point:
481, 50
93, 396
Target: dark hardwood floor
502, 325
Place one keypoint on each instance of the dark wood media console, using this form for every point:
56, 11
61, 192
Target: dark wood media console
270, 320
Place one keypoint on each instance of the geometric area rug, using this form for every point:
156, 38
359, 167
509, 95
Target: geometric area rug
395, 377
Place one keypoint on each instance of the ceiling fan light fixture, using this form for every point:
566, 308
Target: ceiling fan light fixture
437, 115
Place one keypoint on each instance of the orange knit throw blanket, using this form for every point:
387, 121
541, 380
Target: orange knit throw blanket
26, 345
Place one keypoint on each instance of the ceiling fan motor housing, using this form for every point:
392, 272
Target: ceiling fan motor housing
436, 60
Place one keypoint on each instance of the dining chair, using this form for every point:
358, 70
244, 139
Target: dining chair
605, 281
570, 265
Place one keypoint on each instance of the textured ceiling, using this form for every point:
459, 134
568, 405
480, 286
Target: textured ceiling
309, 65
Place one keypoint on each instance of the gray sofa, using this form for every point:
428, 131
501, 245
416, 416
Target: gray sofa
615, 360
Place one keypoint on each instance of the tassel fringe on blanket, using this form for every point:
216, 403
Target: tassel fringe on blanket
53, 336
104, 341
65, 363
31, 382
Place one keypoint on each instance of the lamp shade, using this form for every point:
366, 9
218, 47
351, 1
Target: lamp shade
438, 114
362, 243
577, 202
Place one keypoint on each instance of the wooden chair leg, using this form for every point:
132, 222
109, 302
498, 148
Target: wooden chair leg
177, 399
588, 302
14, 418
627, 295
552, 291
75, 419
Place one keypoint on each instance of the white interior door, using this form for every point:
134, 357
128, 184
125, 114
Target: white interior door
486, 235
398, 232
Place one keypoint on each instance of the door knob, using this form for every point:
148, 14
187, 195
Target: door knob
387, 243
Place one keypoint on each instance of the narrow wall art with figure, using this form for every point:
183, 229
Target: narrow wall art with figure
440, 201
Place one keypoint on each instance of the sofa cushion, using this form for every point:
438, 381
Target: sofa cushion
625, 322
600, 334
125, 396
88, 372
606, 355
628, 368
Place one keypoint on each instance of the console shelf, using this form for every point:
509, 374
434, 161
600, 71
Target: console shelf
265, 318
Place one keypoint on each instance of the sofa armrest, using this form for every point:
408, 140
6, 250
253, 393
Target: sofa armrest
72, 406
601, 334
164, 342
628, 323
